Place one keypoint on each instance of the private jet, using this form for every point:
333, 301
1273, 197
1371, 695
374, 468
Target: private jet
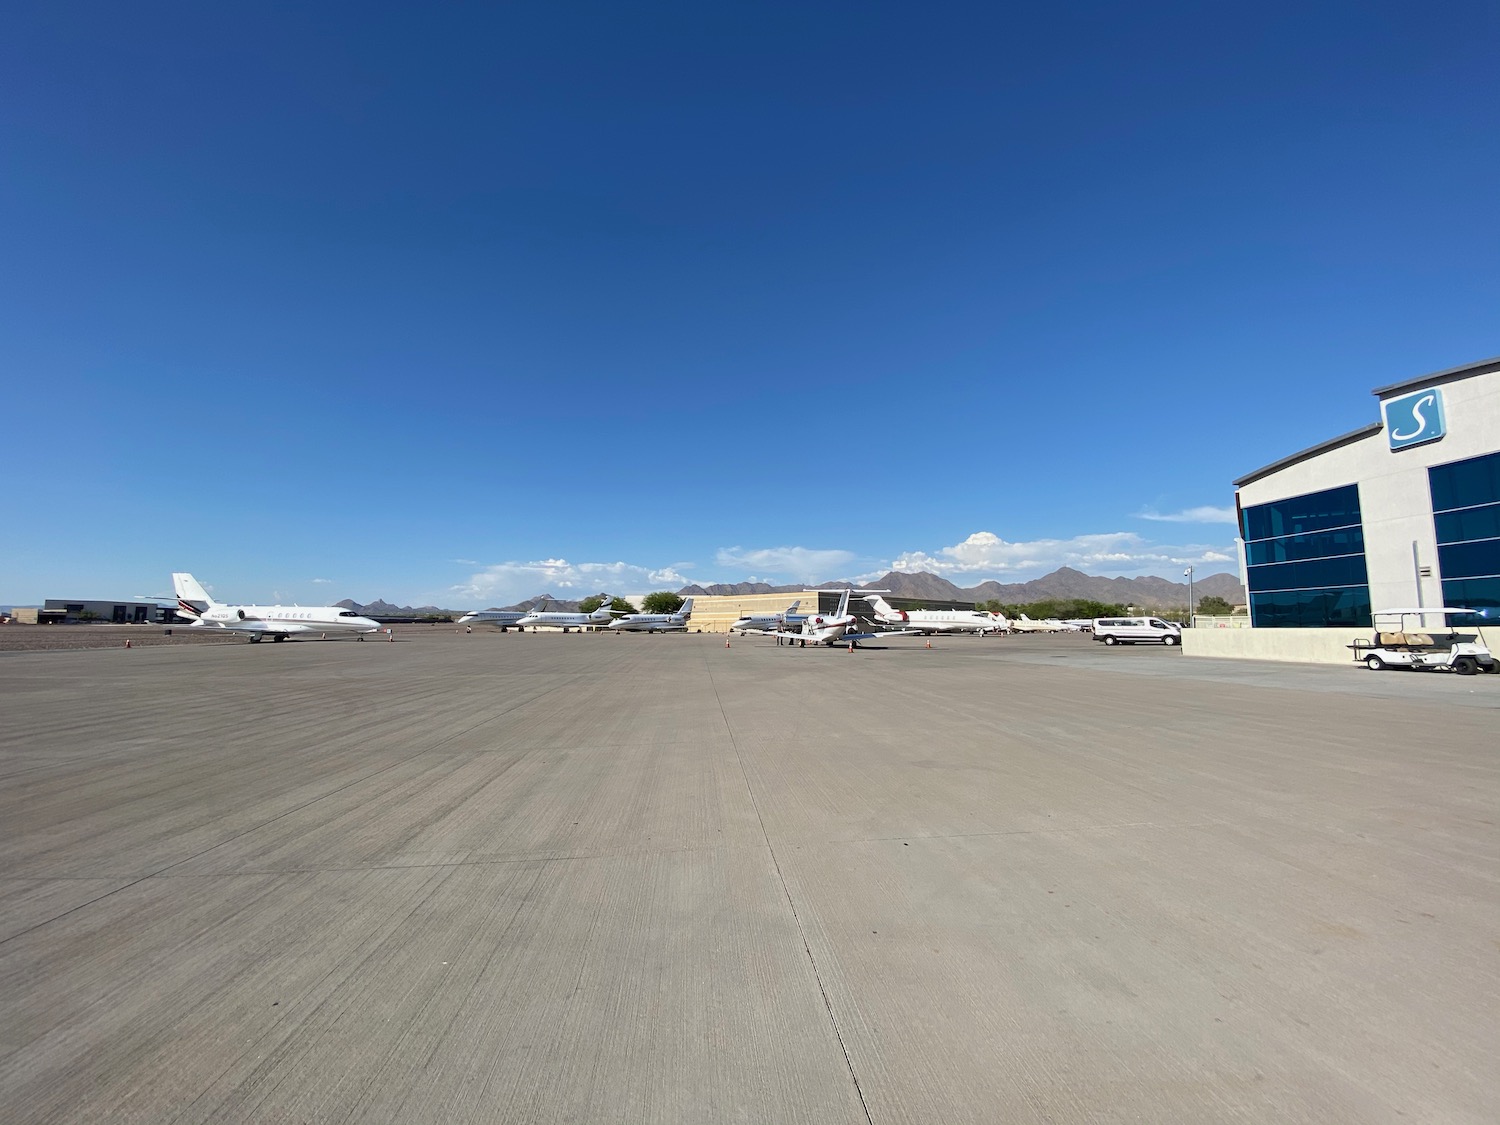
1024, 624
765, 622
557, 619
654, 622
504, 618
936, 620
832, 629
259, 621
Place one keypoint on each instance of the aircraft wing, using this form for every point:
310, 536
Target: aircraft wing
247, 627
255, 625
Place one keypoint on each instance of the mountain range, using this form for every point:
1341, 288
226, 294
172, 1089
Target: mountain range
1148, 593
382, 608
1065, 582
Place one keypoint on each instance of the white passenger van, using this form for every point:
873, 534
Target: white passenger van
1136, 630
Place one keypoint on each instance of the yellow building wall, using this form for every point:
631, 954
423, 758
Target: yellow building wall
714, 613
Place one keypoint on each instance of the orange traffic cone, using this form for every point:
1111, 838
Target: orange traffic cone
127, 644
726, 641
929, 644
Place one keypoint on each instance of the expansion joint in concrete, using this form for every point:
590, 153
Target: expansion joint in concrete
833, 1019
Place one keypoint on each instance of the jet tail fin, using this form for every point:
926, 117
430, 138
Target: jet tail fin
192, 598
685, 610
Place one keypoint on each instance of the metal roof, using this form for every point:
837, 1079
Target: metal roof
1311, 451
1452, 374
1468, 370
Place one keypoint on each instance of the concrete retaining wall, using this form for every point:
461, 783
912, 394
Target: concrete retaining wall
1301, 646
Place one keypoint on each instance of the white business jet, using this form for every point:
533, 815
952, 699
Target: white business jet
766, 622
504, 618
257, 621
558, 619
936, 620
654, 622
1024, 624
832, 629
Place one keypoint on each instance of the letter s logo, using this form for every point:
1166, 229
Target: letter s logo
1415, 419
1418, 417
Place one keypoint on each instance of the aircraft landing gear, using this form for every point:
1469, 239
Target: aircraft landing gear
255, 638
279, 637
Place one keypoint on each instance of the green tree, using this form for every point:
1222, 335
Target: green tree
589, 604
622, 605
1214, 606
663, 601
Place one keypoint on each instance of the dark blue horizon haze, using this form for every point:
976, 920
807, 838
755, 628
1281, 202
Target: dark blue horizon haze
457, 305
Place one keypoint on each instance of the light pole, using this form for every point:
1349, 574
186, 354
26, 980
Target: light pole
1188, 574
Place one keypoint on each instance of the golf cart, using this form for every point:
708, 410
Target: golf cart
1399, 642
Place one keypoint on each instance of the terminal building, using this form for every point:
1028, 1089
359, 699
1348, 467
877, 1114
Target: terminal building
1401, 513
71, 611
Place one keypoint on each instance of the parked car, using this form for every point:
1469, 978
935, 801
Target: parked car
1136, 630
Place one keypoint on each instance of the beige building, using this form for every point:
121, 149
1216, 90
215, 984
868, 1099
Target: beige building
714, 613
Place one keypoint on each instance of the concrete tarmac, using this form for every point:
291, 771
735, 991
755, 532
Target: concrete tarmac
585, 878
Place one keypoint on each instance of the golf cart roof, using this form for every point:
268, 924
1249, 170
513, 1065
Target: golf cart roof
1419, 612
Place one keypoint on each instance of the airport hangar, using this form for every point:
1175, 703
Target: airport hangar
1403, 512
714, 613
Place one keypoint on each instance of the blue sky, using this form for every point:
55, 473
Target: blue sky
459, 306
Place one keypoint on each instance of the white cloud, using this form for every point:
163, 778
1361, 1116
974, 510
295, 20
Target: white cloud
802, 563
509, 582
322, 581
985, 555
981, 556
465, 562
1204, 514
984, 551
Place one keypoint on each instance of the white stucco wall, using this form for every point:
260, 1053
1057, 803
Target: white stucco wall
1299, 646
1395, 501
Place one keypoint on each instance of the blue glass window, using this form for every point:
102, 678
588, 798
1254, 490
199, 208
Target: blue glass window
1293, 548
1346, 570
1311, 609
1468, 523
1470, 560
1466, 518
1464, 484
1473, 593
1305, 561
1317, 511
